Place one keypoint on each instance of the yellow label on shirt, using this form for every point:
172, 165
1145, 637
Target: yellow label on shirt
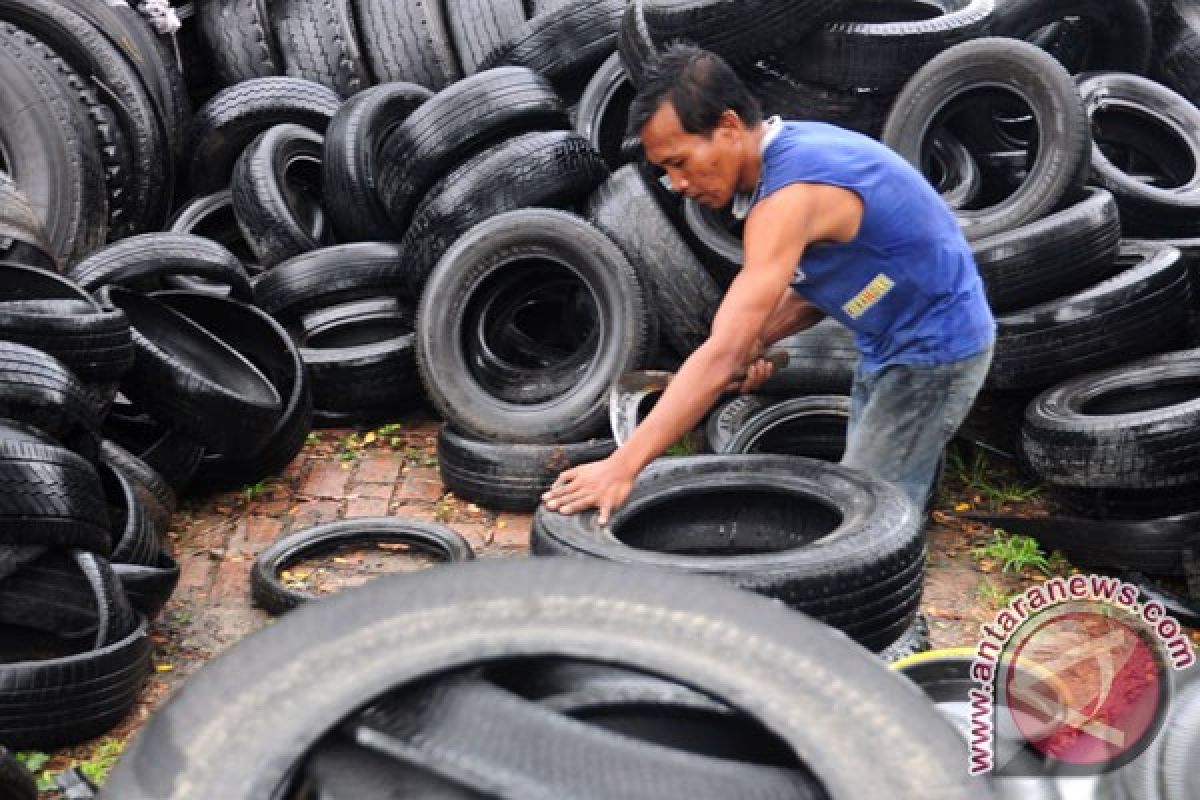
871, 294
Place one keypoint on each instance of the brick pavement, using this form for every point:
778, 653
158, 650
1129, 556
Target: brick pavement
341, 474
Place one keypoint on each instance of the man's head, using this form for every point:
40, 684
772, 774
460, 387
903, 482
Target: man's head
697, 121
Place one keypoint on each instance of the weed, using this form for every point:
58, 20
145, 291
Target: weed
390, 429
349, 450
34, 761
313, 438
981, 478
688, 445
255, 489
101, 763
1015, 552
416, 456
992, 594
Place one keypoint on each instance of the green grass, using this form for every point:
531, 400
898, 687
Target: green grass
688, 445
255, 489
1014, 552
992, 594
95, 768
981, 478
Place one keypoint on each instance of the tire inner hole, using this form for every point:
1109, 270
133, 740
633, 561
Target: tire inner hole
999, 129
1133, 400
1143, 147
727, 521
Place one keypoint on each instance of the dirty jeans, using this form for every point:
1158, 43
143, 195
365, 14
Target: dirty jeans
902, 416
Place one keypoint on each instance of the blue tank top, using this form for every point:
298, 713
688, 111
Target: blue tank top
907, 284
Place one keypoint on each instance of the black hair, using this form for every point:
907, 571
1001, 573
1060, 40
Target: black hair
700, 85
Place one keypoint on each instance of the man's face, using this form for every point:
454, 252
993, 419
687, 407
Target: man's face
703, 167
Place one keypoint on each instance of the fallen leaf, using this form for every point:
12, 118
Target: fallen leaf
393, 546
501, 523
370, 437
163, 667
963, 507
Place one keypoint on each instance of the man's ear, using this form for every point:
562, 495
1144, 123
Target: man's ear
730, 119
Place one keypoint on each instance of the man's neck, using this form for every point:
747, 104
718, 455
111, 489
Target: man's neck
752, 162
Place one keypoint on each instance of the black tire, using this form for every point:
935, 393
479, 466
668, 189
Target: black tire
359, 357
1120, 108
53, 702
813, 427
157, 498
603, 113
1130, 427
565, 46
739, 30
1177, 40
267, 345
226, 124
51, 495
727, 418
16, 782
21, 229
634, 44
879, 45
821, 360
153, 256
277, 196
135, 540
173, 456
331, 275
193, 382
70, 594
857, 568
350, 162
737, 648
914, 640
407, 40
39, 390
508, 477
1140, 310
154, 57
554, 169
454, 124
240, 40
1061, 253
128, 128
211, 217
1057, 173
478, 27
50, 151
953, 170
271, 595
460, 281
49, 312
684, 296
318, 41
1120, 32
148, 587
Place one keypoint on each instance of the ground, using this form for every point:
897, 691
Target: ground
392, 470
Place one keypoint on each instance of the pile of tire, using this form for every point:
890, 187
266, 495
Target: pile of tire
82, 561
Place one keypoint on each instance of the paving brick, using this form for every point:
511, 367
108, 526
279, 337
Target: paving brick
327, 479
382, 491
307, 513
366, 507
195, 575
231, 584
476, 533
420, 483
260, 531
515, 531
379, 469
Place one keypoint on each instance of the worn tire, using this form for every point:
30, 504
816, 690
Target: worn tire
478, 27
240, 39
223, 127
499, 246
1057, 173
409, 41
733, 647
552, 169
318, 42
684, 295
1061, 253
508, 477
1140, 310
154, 256
456, 123
271, 595
350, 162
331, 275
793, 546
1119, 32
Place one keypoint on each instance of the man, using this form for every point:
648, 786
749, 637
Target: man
838, 225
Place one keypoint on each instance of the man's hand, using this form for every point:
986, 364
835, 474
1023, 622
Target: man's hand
601, 484
757, 374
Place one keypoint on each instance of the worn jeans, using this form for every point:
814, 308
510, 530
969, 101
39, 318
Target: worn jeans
902, 416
